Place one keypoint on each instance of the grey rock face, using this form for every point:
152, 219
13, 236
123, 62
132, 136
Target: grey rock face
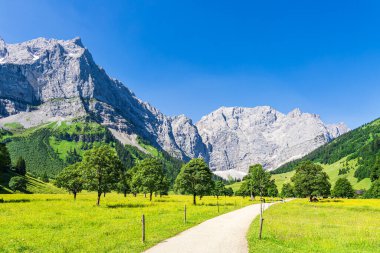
60, 80
46, 80
239, 137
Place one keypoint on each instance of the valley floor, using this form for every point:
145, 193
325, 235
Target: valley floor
326, 226
57, 223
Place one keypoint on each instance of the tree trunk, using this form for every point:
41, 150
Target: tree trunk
125, 193
144, 195
311, 199
99, 195
135, 194
75, 195
194, 199
104, 194
150, 196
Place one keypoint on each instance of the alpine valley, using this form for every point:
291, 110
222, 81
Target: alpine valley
56, 102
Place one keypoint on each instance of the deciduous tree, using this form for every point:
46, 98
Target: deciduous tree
194, 178
343, 189
71, 179
219, 189
101, 170
149, 175
287, 191
311, 181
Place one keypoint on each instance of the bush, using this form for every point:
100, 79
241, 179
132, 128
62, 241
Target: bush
17, 183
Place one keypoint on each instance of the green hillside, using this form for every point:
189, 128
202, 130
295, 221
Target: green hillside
351, 155
49, 148
33, 185
333, 171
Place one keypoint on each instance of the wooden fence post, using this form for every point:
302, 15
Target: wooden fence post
261, 218
143, 227
185, 214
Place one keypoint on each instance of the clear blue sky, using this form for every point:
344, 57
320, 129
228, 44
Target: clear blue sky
192, 57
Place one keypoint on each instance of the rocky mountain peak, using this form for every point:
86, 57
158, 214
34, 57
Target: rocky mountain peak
60, 80
3, 48
44, 80
238, 137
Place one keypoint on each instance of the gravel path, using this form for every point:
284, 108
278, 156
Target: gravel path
225, 233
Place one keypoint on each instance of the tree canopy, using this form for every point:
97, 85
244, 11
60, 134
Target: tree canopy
311, 181
374, 191
101, 170
287, 191
71, 179
5, 160
256, 182
375, 172
343, 189
17, 183
194, 178
219, 189
149, 176
20, 166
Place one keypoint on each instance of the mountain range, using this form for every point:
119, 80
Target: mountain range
48, 80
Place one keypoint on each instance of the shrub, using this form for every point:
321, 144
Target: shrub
17, 183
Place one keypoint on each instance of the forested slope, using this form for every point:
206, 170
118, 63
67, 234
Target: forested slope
358, 149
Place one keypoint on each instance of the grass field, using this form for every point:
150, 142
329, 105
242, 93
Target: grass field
327, 226
57, 223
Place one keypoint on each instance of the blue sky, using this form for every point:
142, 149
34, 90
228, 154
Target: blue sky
191, 57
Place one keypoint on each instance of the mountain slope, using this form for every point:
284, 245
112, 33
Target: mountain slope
262, 135
352, 153
49, 80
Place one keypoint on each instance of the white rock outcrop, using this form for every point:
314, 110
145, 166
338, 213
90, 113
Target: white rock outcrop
239, 137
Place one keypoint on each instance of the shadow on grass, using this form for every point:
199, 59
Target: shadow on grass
166, 200
128, 205
14, 200
329, 200
215, 204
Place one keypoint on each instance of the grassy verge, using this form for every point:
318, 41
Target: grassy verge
327, 226
56, 223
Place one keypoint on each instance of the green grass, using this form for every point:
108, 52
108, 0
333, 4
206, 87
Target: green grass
14, 126
236, 186
57, 223
326, 226
332, 170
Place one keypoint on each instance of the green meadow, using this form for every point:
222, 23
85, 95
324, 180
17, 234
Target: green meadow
332, 171
57, 223
339, 226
